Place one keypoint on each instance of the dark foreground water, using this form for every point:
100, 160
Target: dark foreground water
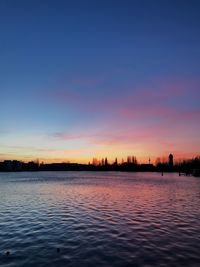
99, 219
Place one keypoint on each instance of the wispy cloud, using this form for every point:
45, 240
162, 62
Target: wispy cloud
154, 108
157, 93
155, 117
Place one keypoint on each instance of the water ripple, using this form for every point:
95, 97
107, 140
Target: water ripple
99, 219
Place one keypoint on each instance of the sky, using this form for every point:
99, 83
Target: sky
103, 78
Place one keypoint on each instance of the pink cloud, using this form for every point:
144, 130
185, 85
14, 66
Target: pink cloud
164, 113
160, 92
150, 114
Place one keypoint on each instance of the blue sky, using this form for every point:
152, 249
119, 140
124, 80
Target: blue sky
91, 78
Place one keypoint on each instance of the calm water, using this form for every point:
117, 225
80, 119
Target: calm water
99, 219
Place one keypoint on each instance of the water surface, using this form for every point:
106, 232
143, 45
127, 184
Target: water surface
99, 219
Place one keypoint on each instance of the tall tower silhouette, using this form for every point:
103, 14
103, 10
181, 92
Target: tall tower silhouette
171, 162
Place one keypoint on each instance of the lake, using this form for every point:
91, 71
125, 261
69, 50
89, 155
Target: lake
99, 219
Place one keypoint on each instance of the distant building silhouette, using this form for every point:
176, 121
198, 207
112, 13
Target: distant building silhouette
171, 162
115, 162
8, 165
106, 162
17, 165
189, 166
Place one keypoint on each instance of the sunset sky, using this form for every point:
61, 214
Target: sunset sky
84, 79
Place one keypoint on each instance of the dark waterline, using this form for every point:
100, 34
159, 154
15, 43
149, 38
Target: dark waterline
99, 219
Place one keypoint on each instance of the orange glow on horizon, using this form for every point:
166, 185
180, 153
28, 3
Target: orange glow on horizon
111, 158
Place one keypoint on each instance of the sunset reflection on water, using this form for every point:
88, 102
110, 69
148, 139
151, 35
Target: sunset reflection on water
99, 219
